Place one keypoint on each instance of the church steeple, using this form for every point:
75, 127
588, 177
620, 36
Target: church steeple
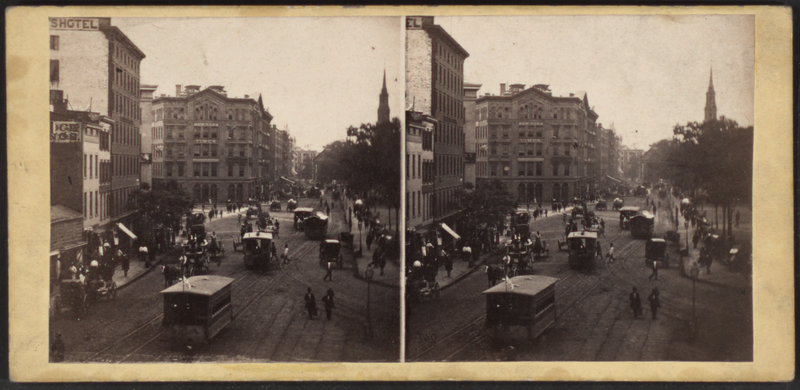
711, 104
383, 107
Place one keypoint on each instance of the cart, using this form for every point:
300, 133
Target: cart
72, 296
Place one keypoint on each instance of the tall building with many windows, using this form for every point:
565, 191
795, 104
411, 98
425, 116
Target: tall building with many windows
542, 146
210, 142
435, 87
96, 66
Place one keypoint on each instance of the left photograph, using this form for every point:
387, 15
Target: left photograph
225, 189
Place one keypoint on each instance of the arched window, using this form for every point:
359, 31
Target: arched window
231, 193
205, 193
213, 194
521, 192
556, 192
240, 193
198, 196
197, 113
539, 194
230, 114
565, 192
530, 193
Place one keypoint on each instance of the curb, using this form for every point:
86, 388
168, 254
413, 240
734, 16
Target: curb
712, 283
137, 277
464, 275
357, 275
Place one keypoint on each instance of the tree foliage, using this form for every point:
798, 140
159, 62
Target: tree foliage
368, 162
489, 203
714, 158
163, 205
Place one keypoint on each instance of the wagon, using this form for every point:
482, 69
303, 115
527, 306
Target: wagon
330, 250
656, 250
72, 296
522, 302
275, 205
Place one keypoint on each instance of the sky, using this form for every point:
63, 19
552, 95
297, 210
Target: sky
644, 74
317, 76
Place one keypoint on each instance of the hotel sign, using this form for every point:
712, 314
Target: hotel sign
65, 132
531, 123
80, 24
414, 22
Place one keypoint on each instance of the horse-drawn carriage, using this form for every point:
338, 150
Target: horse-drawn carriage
330, 250
419, 286
642, 225
72, 295
300, 215
291, 205
601, 205
257, 248
275, 205
618, 204
316, 226
625, 214
582, 249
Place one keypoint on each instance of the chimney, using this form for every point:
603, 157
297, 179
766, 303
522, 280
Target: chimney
246, 96
502, 89
177, 90
571, 95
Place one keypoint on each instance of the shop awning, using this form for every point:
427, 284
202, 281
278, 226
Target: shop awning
613, 179
289, 180
450, 231
126, 230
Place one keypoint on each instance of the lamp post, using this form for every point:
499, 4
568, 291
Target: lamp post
360, 242
695, 271
686, 225
368, 275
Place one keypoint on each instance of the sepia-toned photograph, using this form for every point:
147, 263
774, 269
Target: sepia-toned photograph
580, 188
224, 190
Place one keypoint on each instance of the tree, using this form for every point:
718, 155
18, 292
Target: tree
489, 203
163, 206
714, 159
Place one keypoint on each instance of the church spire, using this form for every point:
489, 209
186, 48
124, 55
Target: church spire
383, 106
711, 104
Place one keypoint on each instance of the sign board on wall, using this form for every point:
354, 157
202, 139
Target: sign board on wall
65, 132
80, 24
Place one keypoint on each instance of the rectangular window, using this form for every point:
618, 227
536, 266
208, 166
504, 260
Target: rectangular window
213, 150
566, 169
169, 169
196, 169
555, 169
555, 149
205, 132
520, 168
54, 42
96, 204
214, 133
241, 171
230, 170
530, 168
85, 207
205, 169
241, 151
206, 150
196, 133
230, 152
214, 167
180, 170
521, 149
197, 150
54, 71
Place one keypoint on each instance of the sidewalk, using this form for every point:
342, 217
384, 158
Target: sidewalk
720, 275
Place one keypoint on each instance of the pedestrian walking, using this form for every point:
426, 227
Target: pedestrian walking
610, 256
654, 302
126, 265
696, 238
369, 240
57, 348
655, 270
636, 303
545, 213
328, 301
466, 252
599, 250
328, 271
277, 228
273, 251
311, 303
285, 253
327, 210
448, 265
737, 219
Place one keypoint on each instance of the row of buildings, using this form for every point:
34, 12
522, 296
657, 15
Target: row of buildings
544, 148
110, 133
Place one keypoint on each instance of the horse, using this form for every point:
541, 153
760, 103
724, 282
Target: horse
172, 273
494, 274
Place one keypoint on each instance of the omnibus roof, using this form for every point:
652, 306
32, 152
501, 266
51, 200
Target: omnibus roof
329, 241
629, 208
206, 285
303, 210
523, 285
583, 234
643, 214
658, 240
258, 236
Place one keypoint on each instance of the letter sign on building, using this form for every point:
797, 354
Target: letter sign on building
65, 132
84, 24
414, 23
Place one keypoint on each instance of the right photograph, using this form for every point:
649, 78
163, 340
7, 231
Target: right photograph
579, 188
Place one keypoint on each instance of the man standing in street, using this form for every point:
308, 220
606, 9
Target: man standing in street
311, 303
57, 349
328, 301
654, 302
655, 270
610, 256
636, 303
448, 265
737, 218
328, 270
286, 255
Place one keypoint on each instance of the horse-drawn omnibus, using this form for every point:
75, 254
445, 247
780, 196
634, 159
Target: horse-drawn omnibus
256, 246
316, 226
300, 214
642, 225
197, 309
522, 302
582, 249
625, 214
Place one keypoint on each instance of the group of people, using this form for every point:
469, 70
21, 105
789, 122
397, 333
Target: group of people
311, 303
636, 302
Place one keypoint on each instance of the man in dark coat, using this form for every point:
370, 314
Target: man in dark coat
311, 303
654, 302
57, 349
328, 270
636, 303
328, 301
